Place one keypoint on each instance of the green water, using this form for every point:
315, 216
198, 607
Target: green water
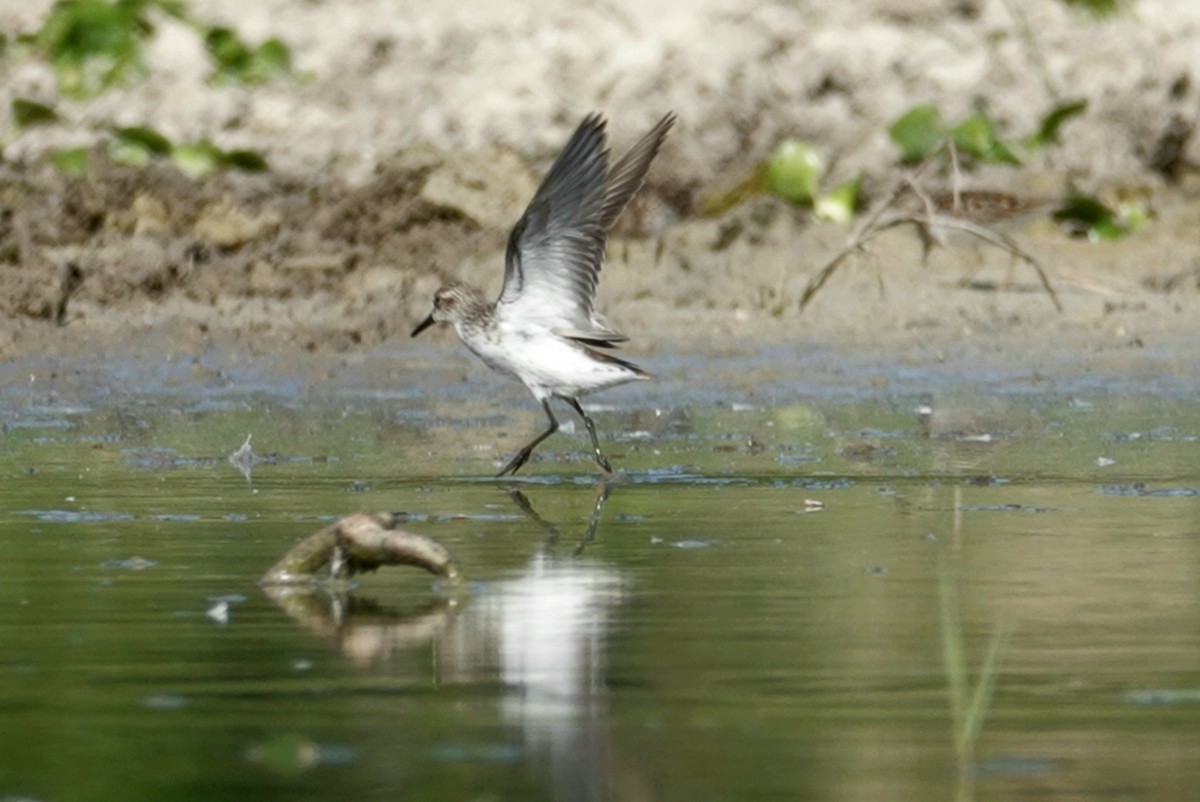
712, 637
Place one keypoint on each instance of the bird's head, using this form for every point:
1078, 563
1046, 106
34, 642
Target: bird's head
453, 303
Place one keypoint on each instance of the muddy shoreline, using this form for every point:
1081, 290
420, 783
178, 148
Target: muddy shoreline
1128, 308
377, 195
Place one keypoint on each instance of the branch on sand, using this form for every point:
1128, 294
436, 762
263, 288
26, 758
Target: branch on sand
926, 221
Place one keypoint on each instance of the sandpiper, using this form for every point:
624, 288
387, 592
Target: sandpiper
543, 329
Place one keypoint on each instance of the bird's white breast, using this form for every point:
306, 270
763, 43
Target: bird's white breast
543, 361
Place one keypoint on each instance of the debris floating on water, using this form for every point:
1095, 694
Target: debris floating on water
165, 701
129, 564
291, 754
244, 458
219, 612
356, 544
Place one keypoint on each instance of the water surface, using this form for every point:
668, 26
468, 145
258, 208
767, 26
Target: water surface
773, 604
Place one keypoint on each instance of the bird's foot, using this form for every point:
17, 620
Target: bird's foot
514, 464
602, 462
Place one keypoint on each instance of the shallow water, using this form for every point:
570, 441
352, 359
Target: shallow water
777, 603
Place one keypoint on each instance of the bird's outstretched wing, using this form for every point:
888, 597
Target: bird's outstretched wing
556, 250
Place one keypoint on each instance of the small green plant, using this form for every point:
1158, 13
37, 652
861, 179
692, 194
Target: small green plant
1100, 9
29, 113
918, 132
199, 159
922, 130
95, 44
794, 173
1048, 132
839, 204
1088, 216
238, 62
72, 161
795, 170
968, 708
138, 146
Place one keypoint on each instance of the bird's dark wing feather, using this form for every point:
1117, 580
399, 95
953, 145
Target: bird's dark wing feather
628, 175
556, 250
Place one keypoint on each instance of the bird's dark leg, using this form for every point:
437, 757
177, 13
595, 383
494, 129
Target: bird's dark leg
522, 502
603, 491
522, 457
600, 460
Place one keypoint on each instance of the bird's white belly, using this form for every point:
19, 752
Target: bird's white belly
546, 363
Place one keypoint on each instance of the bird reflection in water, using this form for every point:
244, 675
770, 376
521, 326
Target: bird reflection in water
541, 634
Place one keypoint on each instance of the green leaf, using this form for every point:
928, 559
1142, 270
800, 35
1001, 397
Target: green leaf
203, 158
273, 57
28, 113
226, 48
238, 62
752, 186
1134, 214
172, 8
146, 138
1003, 153
250, 161
198, 160
1048, 131
1100, 9
976, 136
71, 161
136, 146
918, 132
130, 154
794, 171
839, 204
1086, 215
1084, 209
93, 43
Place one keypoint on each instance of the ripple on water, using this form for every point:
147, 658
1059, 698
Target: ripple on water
1141, 489
75, 516
129, 563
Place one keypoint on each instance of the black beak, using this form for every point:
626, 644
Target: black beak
424, 324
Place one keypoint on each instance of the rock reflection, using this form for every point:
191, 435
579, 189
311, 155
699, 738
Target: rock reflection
365, 631
542, 635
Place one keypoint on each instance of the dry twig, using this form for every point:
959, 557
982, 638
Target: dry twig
925, 222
